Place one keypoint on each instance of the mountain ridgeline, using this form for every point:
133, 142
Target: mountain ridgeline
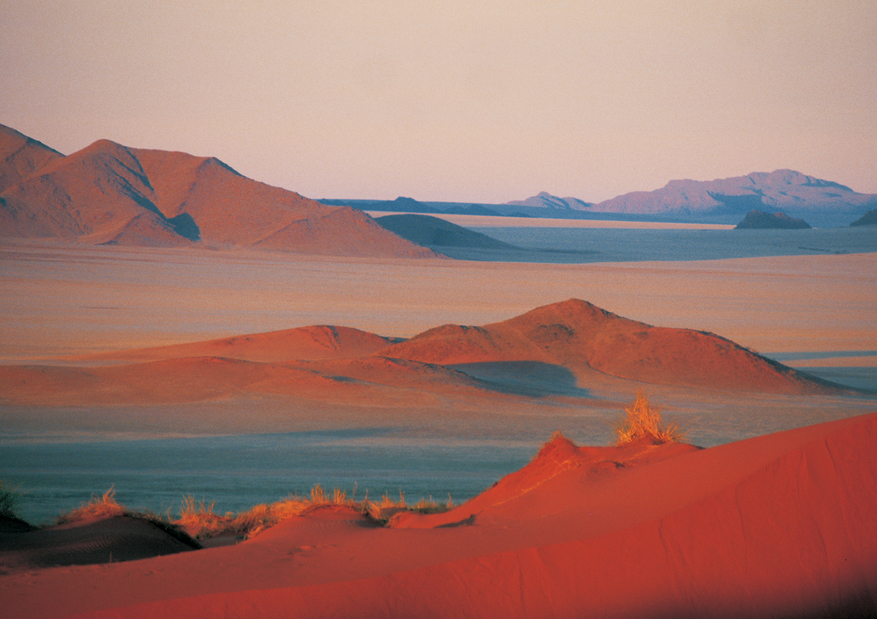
111, 194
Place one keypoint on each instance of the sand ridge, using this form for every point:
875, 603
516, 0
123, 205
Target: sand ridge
329, 362
776, 525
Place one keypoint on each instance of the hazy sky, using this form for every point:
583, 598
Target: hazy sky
457, 100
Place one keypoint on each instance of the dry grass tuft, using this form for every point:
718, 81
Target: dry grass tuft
200, 520
642, 420
104, 507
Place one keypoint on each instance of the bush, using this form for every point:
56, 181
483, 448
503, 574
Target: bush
104, 507
643, 421
8, 501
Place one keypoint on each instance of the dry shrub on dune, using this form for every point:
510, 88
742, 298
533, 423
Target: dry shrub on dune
642, 420
200, 520
8, 501
104, 507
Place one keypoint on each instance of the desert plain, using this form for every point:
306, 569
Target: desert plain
766, 509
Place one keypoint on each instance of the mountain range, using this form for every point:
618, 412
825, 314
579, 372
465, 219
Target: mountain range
108, 193
796, 194
546, 200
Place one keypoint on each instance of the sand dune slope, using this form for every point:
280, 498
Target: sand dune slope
581, 336
552, 346
168, 381
303, 343
779, 525
90, 541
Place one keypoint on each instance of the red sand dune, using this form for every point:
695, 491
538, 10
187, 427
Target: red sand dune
108, 193
190, 379
581, 337
89, 541
336, 362
779, 525
303, 343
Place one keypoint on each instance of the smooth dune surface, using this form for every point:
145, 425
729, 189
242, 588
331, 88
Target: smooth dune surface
321, 362
777, 525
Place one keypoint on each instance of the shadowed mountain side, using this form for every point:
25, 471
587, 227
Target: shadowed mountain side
580, 336
342, 232
100, 194
303, 343
434, 232
21, 156
868, 219
463, 244
527, 378
402, 373
108, 193
234, 210
773, 221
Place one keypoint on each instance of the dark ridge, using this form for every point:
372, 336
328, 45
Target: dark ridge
775, 221
434, 232
868, 219
184, 225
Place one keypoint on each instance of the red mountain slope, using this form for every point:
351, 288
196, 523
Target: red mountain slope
108, 193
21, 156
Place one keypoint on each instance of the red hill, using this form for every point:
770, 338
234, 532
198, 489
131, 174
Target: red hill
21, 156
300, 344
583, 337
108, 193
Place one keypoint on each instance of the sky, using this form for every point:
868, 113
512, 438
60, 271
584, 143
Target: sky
456, 100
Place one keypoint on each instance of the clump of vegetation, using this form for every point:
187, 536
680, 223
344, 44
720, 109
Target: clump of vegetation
8, 501
201, 521
104, 507
643, 420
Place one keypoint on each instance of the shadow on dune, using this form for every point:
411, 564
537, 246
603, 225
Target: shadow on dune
527, 378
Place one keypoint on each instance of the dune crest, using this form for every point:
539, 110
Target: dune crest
571, 341
582, 337
778, 525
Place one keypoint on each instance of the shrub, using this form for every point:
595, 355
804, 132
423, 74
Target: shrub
642, 420
200, 519
8, 501
104, 507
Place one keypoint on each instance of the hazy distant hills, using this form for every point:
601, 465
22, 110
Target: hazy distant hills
111, 194
546, 200
820, 202
868, 219
798, 195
